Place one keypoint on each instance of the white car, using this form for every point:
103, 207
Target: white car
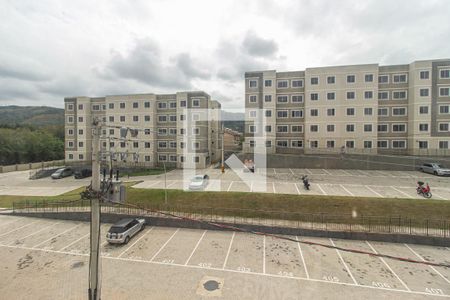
124, 230
199, 182
435, 168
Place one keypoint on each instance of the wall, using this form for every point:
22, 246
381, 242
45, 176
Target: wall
30, 166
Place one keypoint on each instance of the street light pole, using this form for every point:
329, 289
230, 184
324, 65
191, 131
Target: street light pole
94, 258
223, 146
165, 184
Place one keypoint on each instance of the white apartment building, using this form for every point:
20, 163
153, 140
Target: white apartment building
179, 129
398, 109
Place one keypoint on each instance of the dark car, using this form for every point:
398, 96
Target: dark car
124, 230
79, 174
61, 173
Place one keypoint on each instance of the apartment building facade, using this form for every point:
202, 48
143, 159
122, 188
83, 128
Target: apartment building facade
181, 129
398, 109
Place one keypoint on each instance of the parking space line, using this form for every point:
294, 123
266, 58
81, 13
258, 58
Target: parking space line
170, 184
232, 271
165, 244
229, 187
307, 170
346, 173
303, 259
296, 187
274, 171
228, 252
440, 197
373, 191
154, 183
274, 190
126, 250
251, 186
59, 234
195, 248
343, 262
321, 189
343, 187
26, 225
264, 254
326, 171
42, 229
409, 196
431, 267
292, 171
16, 220
73, 243
390, 269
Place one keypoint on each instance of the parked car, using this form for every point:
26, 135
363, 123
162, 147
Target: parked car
79, 174
199, 182
61, 173
435, 168
124, 230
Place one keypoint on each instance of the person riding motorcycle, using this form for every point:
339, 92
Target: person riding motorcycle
423, 190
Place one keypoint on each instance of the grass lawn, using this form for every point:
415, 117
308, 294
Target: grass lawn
145, 172
254, 204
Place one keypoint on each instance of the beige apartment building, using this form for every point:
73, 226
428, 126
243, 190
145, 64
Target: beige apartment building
181, 129
398, 109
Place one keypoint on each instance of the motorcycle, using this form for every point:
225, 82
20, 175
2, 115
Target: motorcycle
305, 182
423, 190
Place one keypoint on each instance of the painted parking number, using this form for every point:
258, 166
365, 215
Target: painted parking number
330, 278
285, 273
167, 261
434, 291
204, 265
381, 284
243, 269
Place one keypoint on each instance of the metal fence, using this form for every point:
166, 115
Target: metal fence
323, 222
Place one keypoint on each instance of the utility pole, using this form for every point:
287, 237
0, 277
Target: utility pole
94, 259
165, 184
223, 146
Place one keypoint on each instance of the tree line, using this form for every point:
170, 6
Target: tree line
26, 144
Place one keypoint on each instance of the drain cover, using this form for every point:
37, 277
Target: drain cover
210, 286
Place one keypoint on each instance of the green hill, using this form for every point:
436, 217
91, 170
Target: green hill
31, 115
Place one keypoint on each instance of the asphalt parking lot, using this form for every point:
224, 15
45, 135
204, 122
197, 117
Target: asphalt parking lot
48, 259
364, 183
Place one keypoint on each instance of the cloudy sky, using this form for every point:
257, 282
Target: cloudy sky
52, 49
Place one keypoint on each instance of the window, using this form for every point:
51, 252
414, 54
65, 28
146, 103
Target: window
122, 144
297, 113
80, 131
268, 113
398, 127
314, 80
282, 114
314, 112
350, 128
162, 105
367, 127
111, 105
147, 145
162, 157
183, 103
383, 95
135, 105
443, 127
314, 128
350, 78
382, 144
331, 79
267, 83
282, 99
80, 156
268, 128
297, 144
382, 128
383, 79
80, 119
147, 118
330, 128
162, 144
399, 94
147, 158
111, 131
70, 144
80, 106
444, 92
252, 98
70, 156
172, 131
252, 144
70, 131
135, 118
330, 144
445, 73
182, 117
96, 107
368, 78
252, 128
252, 114
135, 144
350, 95
282, 128
331, 112
147, 131
331, 96
195, 131
162, 118
368, 94
162, 131
443, 144
399, 111
69, 119
423, 127
424, 92
297, 83
314, 97
423, 110
172, 118
282, 144
314, 144
399, 78
268, 98
367, 144
70, 107
424, 74
296, 128
146, 104
350, 111
383, 111
80, 144
423, 145
172, 144
368, 111
252, 83
111, 119
122, 105
444, 109
282, 84
195, 103
296, 98
350, 144
182, 145
172, 104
